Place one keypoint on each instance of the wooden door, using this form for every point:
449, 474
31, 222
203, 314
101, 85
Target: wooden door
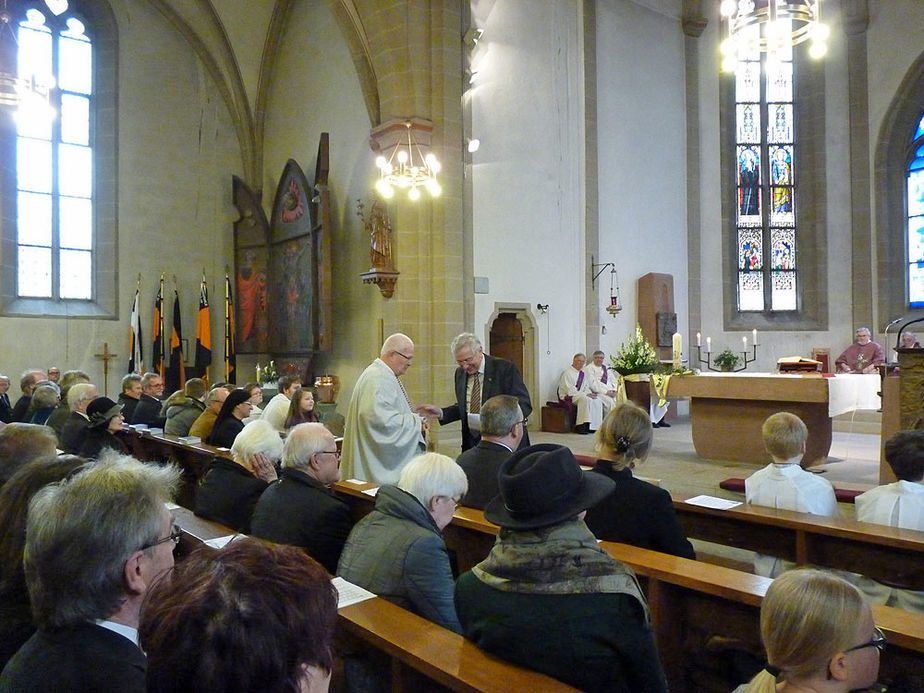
507, 339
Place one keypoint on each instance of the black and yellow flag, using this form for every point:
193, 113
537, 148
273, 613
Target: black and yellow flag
203, 334
230, 357
157, 359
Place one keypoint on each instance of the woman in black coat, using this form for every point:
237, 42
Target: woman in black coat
637, 512
105, 422
230, 420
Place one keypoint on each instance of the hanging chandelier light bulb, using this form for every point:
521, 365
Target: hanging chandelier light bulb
407, 168
771, 26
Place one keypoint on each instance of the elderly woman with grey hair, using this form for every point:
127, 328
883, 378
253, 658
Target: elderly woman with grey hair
397, 551
231, 488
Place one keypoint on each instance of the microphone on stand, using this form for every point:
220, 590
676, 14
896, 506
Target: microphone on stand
885, 330
898, 342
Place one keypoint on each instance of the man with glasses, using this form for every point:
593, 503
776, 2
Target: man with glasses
502, 429
300, 510
95, 544
383, 433
148, 409
478, 378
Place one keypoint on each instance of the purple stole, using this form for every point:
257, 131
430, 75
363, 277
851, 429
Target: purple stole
580, 380
603, 379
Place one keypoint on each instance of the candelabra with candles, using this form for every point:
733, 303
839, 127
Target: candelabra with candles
744, 353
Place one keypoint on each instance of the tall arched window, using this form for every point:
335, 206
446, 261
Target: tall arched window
54, 161
915, 159
58, 176
764, 166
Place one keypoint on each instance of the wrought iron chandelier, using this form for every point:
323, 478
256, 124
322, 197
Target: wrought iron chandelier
771, 26
406, 170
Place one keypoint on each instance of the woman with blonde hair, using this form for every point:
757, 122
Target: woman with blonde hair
636, 512
819, 635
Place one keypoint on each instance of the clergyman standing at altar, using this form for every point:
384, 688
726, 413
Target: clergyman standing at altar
382, 431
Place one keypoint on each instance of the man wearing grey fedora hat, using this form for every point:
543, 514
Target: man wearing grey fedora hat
548, 597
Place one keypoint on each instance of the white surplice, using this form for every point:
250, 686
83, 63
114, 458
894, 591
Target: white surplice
382, 434
612, 384
589, 410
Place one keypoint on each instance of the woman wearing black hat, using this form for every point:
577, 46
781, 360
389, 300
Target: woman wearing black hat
230, 420
105, 421
548, 597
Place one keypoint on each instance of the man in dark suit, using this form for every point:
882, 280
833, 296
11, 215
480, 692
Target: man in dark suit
300, 509
131, 394
94, 545
148, 411
478, 378
502, 429
74, 430
6, 409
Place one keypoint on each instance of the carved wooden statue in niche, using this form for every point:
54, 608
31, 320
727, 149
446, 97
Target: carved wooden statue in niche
381, 254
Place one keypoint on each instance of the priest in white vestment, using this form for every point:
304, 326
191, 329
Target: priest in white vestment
575, 385
606, 384
382, 433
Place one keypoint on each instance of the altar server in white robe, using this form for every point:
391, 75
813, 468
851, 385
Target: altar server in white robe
382, 433
604, 383
784, 485
899, 504
575, 385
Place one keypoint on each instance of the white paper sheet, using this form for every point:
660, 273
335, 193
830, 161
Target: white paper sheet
713, 502
348, 593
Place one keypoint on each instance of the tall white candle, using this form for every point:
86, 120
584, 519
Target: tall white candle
708, 345
677, 342
699, 339
754, 334
744, 340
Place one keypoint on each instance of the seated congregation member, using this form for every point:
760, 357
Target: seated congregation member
6, 409
899, 504
909, 341
574, 386
397, 550
301, 408
256, 399
863, 356
230, 419
548, 597
15, 615
20, 443
74, 430
300, 509
59, 416
27, 383
502, 428
54, 374
607, 385
45, 398
204, 424
251, 616
277, 409
130, 395
636, 512
819, 635
783, 484
183, 407
95, 544
230, 490
105, 422
147, 411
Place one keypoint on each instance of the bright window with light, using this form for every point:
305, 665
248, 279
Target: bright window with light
765, 219
916, 217
54, 160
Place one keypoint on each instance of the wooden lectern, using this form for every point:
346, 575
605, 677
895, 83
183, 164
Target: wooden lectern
902, 407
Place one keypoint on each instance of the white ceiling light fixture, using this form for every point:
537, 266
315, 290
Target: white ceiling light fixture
779, 23
403, 163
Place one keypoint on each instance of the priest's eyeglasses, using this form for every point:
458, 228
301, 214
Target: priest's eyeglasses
409, 358
879, 642
174, 536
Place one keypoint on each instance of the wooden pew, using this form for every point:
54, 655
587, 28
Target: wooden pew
690, 601
890, 555
416, 647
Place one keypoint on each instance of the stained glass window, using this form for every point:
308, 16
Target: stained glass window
916, 217
54, 159
765, 217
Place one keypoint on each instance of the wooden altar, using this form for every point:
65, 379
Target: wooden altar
727, 413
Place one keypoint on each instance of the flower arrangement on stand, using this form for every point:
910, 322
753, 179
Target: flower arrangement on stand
636, 355
268, 375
